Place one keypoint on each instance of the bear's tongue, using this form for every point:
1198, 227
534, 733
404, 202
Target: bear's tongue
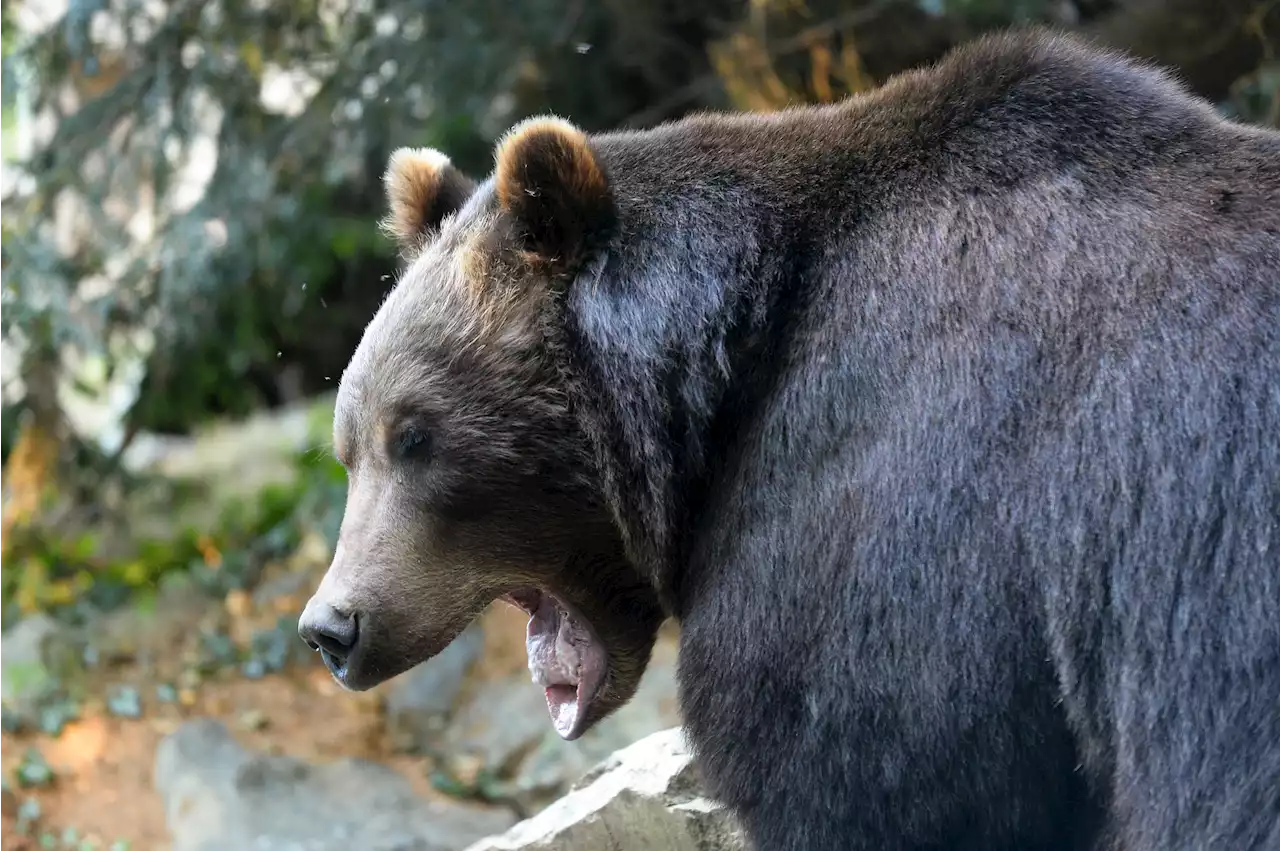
565, 658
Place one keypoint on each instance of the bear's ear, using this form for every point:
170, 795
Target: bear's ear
548, 179
422, 188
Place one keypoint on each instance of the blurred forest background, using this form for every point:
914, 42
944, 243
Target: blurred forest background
190, 253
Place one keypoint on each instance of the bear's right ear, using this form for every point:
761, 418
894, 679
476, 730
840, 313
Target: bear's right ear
422, 187
548, 179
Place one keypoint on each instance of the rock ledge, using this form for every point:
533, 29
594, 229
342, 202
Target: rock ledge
642, 798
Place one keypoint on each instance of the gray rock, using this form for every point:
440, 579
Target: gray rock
230, 459
642, 798
220, 796
297, 584
133, 632
40, 657
501, 722
504, 728
419, 702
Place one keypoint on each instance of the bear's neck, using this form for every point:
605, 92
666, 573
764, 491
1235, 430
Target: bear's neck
673, 338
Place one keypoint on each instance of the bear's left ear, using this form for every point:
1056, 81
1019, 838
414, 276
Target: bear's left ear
548, 179
422, 188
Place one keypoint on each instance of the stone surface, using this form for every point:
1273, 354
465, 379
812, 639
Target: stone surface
420, 702
642, 798
502, 732
220, 796
39, 656
143, 633
229, 459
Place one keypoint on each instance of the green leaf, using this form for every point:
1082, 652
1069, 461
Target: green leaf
33, 771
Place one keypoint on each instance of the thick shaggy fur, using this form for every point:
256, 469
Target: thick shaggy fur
951, 415
947, 422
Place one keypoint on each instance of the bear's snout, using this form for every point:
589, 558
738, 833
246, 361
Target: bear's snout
330, 632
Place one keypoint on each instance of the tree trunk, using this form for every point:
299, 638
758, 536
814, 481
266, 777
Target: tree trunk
32, 472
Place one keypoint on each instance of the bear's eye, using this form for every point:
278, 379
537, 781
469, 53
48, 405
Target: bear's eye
411, 442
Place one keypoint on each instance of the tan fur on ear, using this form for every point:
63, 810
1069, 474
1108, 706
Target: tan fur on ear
547, 177
422, 188
555, 142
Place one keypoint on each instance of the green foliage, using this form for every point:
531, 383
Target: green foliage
984, 14
68, 578
25, 677
33, 770
259, 287
29, 811
487, 787
295, 192
1256, 97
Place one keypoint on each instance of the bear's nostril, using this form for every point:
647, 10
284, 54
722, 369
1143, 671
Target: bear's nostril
325, 628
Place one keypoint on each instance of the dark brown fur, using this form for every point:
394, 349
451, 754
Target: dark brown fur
944, 419
483, 512
547, 179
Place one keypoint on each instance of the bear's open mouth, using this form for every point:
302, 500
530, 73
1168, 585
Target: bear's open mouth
566, 657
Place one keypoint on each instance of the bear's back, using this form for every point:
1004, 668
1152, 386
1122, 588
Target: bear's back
999, 112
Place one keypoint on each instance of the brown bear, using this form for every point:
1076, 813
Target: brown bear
945, 420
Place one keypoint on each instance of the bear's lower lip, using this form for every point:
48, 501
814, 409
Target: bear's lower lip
338, 669
566, 658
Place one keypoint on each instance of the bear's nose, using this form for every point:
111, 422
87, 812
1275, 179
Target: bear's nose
328, 630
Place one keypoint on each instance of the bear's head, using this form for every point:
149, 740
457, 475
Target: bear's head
469, 479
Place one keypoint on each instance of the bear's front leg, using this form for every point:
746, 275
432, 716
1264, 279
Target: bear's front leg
840, 703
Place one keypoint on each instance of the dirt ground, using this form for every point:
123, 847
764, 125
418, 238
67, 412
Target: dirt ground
103, 764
